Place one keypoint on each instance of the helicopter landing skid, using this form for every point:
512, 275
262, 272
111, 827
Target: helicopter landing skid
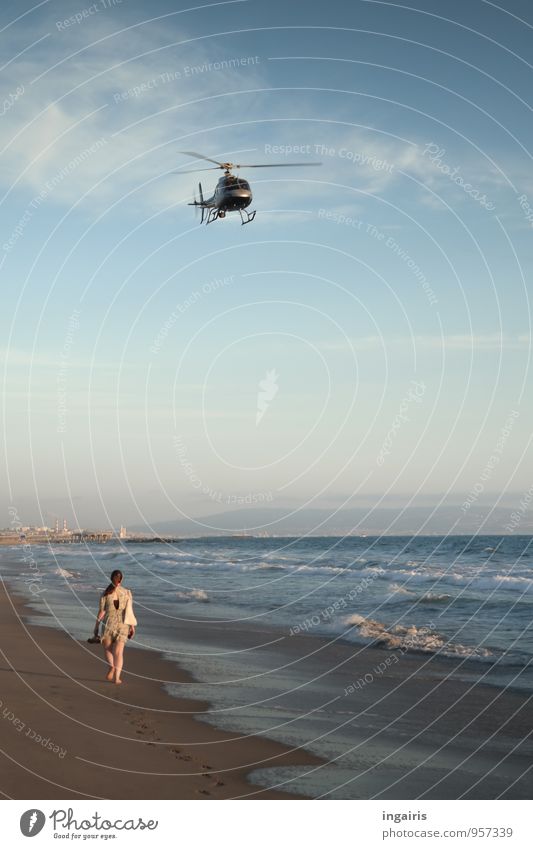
247, 217
213, 214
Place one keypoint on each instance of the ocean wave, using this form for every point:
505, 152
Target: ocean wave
170, 558
288, 567
411, 638
405, 576
518, 581
435, 598
414, 597
374, 570
193, 595
398, 589
182, 563
260, 566
317, 569
498, 583
68, 552
110, 554
409, 579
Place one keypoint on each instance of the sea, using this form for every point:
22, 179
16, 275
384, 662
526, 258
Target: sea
465, 599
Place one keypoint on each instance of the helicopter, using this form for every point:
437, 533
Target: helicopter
231, 194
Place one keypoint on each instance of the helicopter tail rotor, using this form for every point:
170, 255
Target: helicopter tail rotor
199, 204
202, 202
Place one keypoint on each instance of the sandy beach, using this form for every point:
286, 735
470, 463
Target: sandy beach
412, 728
67, 733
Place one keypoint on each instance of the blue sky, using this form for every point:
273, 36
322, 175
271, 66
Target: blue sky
404, 260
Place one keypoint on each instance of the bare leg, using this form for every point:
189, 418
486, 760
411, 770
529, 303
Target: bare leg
118, 656
110, 660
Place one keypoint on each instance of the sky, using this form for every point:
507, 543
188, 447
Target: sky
366, 340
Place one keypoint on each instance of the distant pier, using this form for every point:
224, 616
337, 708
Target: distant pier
80, 537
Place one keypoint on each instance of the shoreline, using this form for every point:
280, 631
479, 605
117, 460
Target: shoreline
428, 731
133, 741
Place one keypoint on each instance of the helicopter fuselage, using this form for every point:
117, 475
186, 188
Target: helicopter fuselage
231, 193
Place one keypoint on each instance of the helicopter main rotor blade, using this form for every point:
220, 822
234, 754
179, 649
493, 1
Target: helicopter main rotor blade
229, 166
201, 156
194, 170
279, 165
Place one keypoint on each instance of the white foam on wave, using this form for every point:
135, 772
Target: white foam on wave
412, 638
193, 595
169, 561
64, 573
318, 569
416, 597
398, 589
290, 567
497, 583
519, 582
473, 580
432, 598
171, 558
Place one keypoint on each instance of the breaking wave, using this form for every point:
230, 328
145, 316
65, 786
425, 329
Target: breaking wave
192, 595
411, 638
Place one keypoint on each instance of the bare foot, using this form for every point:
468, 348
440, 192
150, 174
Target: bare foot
109, 676
118, 681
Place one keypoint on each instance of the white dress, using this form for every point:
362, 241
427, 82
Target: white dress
115, 629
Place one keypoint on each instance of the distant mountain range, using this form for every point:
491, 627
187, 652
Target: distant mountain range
320, 521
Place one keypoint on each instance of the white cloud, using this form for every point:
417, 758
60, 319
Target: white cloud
453, 342
48, 127
20, 358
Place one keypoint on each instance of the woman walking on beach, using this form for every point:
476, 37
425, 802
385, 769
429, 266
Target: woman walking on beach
116, 607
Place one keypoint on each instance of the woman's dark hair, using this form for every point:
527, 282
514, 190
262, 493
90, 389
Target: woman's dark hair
116, 573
